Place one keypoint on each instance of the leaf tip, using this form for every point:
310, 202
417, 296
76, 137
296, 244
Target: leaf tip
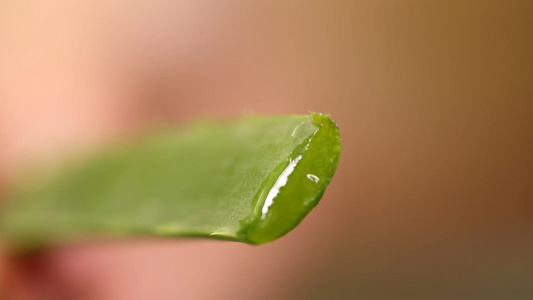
298, 184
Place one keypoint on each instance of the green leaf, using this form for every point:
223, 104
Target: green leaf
251, 181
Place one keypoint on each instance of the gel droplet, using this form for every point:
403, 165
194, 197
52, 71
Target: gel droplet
281, 182
313, 178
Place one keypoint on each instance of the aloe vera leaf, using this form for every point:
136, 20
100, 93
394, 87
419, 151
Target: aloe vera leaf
251, 181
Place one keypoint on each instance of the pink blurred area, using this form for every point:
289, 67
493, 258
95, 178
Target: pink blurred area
434, 99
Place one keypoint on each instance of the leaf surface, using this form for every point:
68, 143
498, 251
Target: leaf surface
251, 181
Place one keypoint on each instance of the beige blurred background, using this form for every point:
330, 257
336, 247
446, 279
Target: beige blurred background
433, 195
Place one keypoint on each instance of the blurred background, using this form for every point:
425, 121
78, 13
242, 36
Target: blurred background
433, 195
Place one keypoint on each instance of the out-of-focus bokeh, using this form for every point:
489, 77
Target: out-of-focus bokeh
433, 195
